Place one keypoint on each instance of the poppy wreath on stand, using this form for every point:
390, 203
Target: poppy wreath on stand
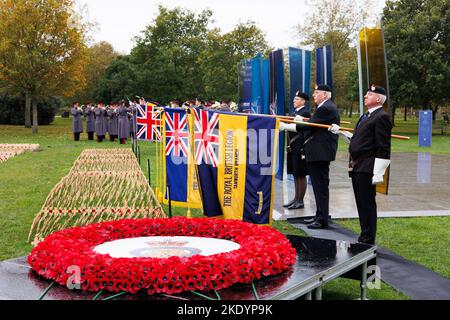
262, 251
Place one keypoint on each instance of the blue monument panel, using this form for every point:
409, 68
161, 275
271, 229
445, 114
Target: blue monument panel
425, 128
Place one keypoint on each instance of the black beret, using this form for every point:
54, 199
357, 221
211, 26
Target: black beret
323, 87
377, 89
302, 95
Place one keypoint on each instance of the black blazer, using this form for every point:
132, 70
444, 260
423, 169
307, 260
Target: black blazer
296, 140
320, 144
371, 139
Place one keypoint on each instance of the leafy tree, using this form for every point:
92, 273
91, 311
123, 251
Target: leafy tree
120, 81
99, 58
336, 22
219, 61
42, 50
417, 37
179, 56
167, 52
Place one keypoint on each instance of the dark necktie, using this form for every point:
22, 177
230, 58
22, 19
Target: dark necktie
363, 118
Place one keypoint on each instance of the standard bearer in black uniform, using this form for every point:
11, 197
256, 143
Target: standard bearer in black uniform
320, 149
369, 157
296, 161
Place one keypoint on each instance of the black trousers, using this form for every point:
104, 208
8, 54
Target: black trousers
76, 136
320, 177
100, 138
365, 194
90, 135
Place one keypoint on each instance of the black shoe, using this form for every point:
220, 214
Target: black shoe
296, 205
366, 241
290, 203
310, 220
318, 225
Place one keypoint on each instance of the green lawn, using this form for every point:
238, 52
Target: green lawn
26, 180
425, 240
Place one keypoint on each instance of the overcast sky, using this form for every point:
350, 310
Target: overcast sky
118, 21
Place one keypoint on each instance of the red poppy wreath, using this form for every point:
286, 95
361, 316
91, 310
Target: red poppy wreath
256, 251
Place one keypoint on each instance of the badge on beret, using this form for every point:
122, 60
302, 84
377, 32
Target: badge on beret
317, 87
298, 93
373, 88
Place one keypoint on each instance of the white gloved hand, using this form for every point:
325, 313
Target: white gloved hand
299, 119
334, 128
379, 169
292, 127
346, 135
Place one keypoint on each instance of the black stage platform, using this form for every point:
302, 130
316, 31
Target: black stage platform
318, 262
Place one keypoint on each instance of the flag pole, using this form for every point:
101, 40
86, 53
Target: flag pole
326, 126
192, 145
282, 118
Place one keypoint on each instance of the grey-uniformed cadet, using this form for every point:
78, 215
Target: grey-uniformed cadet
100, 124
132, 118
77, 125
224, 106
124, 124
90, 121
113, 124
370, 154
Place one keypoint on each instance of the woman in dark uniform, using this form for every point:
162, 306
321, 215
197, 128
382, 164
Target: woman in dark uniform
296, 164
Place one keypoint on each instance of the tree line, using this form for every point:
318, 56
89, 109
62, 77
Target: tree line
44, 53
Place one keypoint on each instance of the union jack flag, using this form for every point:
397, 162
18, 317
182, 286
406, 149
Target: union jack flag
177, 134
206, 137
148, 122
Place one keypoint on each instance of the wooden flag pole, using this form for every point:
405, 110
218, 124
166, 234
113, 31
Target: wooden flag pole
282, 118
325, 126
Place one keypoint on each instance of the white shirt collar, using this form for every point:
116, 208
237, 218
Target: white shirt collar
322, 103
374, 109
299, 108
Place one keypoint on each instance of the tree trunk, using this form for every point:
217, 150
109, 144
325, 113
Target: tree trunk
351, 110
393, 116
406, 114
35, 117
435, 110
27, 110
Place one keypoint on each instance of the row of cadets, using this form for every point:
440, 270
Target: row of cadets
114, 119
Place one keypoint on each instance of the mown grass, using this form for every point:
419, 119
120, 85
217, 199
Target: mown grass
425, 240
26, 180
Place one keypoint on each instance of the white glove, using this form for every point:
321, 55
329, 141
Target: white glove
292, 127
346, 135
334, 128
299, 119
379, 169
